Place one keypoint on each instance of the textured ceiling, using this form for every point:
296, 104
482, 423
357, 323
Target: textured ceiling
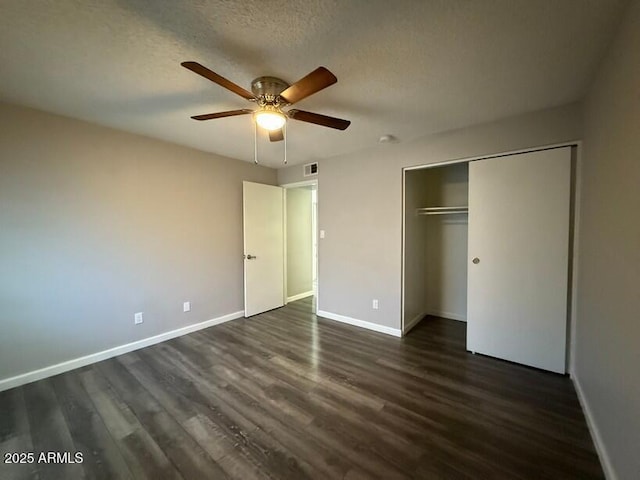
407, 68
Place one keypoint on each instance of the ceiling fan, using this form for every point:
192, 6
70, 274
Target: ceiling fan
272, 94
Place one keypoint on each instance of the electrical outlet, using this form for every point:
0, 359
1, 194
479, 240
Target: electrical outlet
137, 318
375, 304
186, 307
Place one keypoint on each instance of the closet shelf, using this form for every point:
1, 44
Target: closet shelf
462, 209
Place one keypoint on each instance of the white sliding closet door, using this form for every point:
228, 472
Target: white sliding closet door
519, 213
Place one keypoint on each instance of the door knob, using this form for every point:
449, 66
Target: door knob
476, 260
250, 257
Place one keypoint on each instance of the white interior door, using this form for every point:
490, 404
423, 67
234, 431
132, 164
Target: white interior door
263, 226
519, 213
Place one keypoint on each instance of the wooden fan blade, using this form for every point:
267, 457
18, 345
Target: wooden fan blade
314, 82
324, 120
214, 77
230, 113
276, 135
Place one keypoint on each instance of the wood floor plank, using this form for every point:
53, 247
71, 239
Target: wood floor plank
182, 403
184, 452
217, 444
142, 454
101, 458
115, 413
229, 408
15, 436
289, 395
49, 432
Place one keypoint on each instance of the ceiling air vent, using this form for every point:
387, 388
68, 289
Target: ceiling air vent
311, 169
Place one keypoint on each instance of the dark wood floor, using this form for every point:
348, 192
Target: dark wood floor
284, 395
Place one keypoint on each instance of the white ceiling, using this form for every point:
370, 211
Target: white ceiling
407, 68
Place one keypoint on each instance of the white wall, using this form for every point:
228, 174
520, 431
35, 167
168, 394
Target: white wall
360, 206
299, 242
98, 224
608, 328
293, 174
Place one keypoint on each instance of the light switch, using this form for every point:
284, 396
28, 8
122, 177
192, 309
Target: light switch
321, 233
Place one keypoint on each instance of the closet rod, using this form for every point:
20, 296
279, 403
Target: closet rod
435, 209
441, 210
450, 212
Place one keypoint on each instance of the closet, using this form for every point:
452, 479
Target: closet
436, 201
488, 242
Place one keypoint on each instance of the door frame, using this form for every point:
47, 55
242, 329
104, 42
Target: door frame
574, 228
286, 186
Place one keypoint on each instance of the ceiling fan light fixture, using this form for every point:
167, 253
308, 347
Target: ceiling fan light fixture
270, 119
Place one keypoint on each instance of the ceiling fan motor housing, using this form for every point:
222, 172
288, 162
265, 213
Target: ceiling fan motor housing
268, 88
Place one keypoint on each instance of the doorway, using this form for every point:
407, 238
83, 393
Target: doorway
301, 246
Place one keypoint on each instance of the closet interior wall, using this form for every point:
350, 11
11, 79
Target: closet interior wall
435, 245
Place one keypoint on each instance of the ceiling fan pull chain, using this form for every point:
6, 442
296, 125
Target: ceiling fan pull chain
255, 142
284, 132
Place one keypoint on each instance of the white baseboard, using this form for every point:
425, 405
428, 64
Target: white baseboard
413, 322
52, 370
300, 296
449, 315
607, 467
396, 332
